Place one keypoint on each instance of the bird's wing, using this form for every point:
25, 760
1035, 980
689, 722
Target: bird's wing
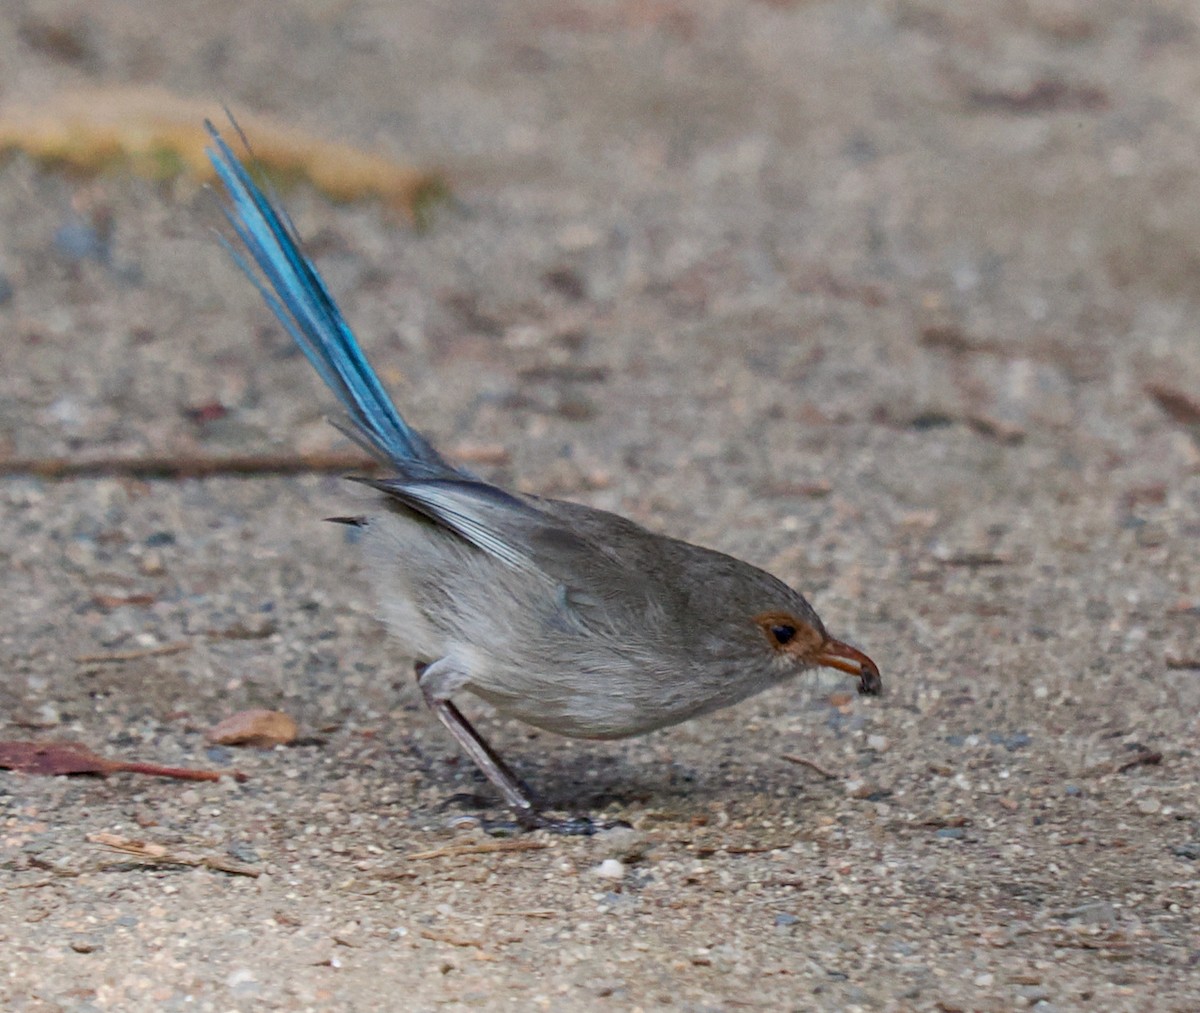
487, 517
598, 562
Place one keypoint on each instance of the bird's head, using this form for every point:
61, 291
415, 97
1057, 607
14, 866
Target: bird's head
797, 637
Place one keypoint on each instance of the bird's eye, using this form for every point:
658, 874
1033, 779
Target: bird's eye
783, 633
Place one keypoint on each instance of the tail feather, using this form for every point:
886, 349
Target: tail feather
297, 295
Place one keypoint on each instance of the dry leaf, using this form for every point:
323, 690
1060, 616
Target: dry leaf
261, 729
155, 133
56, 759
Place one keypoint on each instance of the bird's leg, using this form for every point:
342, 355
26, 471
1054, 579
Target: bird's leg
437, 681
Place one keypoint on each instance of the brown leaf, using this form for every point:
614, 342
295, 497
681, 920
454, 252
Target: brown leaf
160, 135
261, 729
56, 759
50, 759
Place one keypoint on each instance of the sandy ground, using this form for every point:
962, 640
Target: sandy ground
898, 299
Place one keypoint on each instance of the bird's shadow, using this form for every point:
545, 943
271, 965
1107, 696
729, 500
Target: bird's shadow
587, 780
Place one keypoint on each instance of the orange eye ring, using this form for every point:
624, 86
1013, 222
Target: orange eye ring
787, 633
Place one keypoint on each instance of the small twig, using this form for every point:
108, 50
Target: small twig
973, 559
1178, 405
229, 866
445, 937
1181, 664
37, 884
1142, 758
708, 850
752, 849
135, 654
483, 848
542, 912
178, 773
941, 822
803, 761
573, 374
811, 490
1117, 945
1145, 758
156, 854
186, 465
395, 875
201, 465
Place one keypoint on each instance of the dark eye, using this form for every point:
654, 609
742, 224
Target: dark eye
783, 633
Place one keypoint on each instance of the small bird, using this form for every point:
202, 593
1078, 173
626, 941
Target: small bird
572, 619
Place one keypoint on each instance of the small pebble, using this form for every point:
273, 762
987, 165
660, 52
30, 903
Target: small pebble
1148, 806
610, 868
243, 983
625, 844
239, 976
1098, 912
218, 754
242, 852
80, 241
152, 564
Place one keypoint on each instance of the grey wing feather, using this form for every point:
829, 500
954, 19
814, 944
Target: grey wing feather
599, 566
485, 516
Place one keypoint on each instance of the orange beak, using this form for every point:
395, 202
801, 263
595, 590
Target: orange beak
845, 658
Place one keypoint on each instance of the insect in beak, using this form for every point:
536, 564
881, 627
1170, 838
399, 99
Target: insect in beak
835, 654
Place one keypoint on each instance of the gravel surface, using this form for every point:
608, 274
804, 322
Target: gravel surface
898, 299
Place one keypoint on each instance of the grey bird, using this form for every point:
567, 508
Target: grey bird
569, 618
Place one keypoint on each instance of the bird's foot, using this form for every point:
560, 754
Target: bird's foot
569, 826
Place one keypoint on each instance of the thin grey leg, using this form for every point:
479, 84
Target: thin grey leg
498, 772
486, 758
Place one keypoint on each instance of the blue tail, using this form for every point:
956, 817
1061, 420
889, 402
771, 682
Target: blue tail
298, 297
